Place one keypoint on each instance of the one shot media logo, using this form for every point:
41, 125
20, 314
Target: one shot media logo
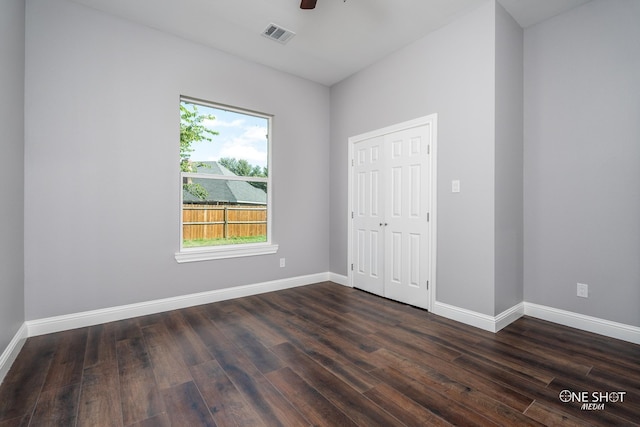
592, 401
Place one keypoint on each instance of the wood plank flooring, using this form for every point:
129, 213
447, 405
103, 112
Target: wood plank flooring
318, 355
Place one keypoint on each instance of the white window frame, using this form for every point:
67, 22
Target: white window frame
205, 253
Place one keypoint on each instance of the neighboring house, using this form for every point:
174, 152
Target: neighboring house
223, 192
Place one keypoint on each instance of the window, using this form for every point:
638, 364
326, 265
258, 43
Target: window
225, 201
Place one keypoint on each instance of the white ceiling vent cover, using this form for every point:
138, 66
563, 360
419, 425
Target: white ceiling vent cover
277, 33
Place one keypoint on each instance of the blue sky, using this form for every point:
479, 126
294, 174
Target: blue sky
240, 135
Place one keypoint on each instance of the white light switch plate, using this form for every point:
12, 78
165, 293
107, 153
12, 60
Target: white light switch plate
455, 186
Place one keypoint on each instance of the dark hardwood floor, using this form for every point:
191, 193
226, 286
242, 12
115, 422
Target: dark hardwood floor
318, 355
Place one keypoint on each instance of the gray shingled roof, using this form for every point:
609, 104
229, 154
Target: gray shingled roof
225, 191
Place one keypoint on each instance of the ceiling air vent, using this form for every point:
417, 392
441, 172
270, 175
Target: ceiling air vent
277, 33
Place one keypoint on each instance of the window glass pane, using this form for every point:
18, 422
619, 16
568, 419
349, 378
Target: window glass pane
238, 216
217, 144
237, 143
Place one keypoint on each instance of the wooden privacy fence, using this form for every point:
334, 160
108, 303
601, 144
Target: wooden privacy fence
217, 222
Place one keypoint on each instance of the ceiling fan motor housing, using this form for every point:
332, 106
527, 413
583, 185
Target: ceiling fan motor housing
308, 4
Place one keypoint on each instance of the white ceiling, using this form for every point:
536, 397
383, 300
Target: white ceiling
333, 41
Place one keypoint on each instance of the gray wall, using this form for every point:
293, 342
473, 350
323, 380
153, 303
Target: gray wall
582, 160
101, 152
508, 163
11, 169
449, 72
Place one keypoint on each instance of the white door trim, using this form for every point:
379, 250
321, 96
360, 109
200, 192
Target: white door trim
431, 120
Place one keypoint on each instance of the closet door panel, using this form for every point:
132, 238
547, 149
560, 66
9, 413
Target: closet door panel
368, 217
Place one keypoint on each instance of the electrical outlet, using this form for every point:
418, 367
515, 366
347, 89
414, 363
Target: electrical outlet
282, 262
583, 290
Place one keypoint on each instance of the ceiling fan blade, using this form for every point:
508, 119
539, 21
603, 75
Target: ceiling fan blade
308, 4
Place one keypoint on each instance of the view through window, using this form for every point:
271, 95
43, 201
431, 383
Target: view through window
225, 176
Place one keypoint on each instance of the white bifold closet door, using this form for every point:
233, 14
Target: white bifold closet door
391, 191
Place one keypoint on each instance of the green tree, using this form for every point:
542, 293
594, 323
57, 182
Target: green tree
244, 168
192, 130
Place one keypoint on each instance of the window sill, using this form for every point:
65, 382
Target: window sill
206, 254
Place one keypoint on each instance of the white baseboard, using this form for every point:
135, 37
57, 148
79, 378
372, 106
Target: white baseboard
583, 322
105, 315
509, 316
479, 320
567, 318
10, 353
339, 279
